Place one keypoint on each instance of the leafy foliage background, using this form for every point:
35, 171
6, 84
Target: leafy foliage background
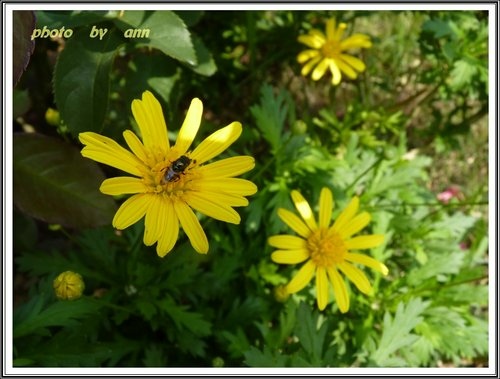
412, 126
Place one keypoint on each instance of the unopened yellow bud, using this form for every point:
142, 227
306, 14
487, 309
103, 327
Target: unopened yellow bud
68, 286
281, 294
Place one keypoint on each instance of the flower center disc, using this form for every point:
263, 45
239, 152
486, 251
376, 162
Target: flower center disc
331, 49
326, 248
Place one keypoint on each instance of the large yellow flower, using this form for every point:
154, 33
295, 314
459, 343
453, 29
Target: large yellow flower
328, 51
326, 248
170, 181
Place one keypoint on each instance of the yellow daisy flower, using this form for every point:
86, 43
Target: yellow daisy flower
328, 51
326, 248
169, 182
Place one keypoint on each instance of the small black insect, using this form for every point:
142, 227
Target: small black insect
176, 169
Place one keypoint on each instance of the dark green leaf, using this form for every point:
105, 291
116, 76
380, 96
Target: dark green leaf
206, 64
153, 71
23, 45
54, 183
70, 19
167, 33
256, 358
61, 313
81, 79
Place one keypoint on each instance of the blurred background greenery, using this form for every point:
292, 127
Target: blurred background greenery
409, 136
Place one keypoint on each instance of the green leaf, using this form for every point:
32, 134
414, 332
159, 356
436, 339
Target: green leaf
81, 79
270, 116
153, 71
451, 334
462, 74
67, 349
439, 263
267, 358
21, 102
168, 33
206, 64
54, 183
311, 339
70, 19
396, 332
23, 46
192, 321
33, 317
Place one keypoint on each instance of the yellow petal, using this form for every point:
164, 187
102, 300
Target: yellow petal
310, 65
355, 225
357, 277
122, 185
132, 210
330, 28
217, 210
356, 63
325, 207
227, 167
304, 209
294, 222
367, 261
364, 242
305, 55
149, 117
347, 214
336, 75
105, 150
356, 41
170, 223
340, 31
346, 69
217, 142
192, 227
321, 288
234, 186
153, 228
222, 198
320, 69
289, 257
315, 39
287, 242
339, 289
135, 145
303, 276
190, 126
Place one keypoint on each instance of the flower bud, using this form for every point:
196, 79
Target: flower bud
68, 286
281, 294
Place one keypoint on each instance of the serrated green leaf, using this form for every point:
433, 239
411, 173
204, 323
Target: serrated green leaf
23, 46
311, 339
438, 264
68, 349
61, 313
270, 115
256, 358
462, 73
168, 33
81, 79
154, 356
396, 331
192, 321
54, 183
206, 64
